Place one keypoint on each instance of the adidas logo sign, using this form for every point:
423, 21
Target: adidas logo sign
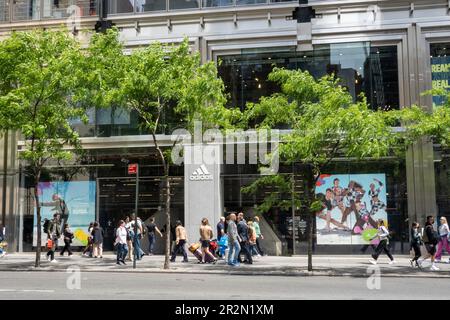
201, 174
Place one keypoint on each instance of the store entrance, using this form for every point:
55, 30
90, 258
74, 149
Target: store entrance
116, 201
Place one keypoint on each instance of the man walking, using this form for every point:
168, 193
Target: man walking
53, 233
233, 241
180, 242
152, 229
243, 234
138, 253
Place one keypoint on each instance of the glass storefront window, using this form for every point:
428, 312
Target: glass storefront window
26, 10
120, 6
217, 3
4, 11
361, 67
249, 2
184, 4
440, 69
442, 174
150, 5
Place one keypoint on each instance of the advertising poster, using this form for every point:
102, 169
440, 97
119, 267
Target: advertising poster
74, 201
351, 206
440, 75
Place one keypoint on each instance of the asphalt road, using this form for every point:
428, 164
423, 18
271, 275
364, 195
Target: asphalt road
30, 285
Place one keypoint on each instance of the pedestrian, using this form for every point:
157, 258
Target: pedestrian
68, 236
206, 234
383, 236
180, 242
259, 236
444, 234
97, 240
89, 246
152, 228
252, 239
234, 247
130, 235
220, 228
53, 233
431, 239
243, 235
2, 241
137, 236
121, 242
416, 242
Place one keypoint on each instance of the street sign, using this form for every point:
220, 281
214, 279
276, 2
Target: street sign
132, 168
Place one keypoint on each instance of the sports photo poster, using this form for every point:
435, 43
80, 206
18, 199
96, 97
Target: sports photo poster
74, 201
351, 206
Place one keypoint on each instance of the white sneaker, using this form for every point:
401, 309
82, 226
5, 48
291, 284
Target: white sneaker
2, 255
54, 261
373, 261
434, 268
48, 258
392, 262
259, 256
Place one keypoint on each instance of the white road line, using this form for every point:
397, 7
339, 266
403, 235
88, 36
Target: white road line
26, 290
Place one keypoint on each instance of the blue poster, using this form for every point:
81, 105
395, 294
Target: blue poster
440, 76
351, 206
73, 201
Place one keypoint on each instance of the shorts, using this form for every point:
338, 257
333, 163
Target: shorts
205, 243
431, 249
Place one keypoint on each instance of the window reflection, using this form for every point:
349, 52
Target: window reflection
217, 3
360, 67
150, 5
440, 70
184, 4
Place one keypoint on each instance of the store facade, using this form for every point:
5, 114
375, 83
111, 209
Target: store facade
392, 51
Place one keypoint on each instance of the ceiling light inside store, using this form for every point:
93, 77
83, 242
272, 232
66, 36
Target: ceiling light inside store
259, 86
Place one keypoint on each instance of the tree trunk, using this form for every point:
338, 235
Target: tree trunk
168, 228
37, 263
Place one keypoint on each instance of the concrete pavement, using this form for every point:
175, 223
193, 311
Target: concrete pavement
342, 265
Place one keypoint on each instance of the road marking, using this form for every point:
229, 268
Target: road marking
26, 290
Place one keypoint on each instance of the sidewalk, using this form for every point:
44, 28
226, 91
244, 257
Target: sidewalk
342, 265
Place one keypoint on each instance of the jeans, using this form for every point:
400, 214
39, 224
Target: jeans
245, 246
179, 247
443, 243
258, 246
122, 251
233, 253
138, 253
151, 242
417, 253
382, 246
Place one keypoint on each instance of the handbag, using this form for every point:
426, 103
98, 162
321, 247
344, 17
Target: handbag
49, 244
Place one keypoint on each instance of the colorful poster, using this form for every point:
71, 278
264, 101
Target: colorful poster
74, 202
351, 206
440, 76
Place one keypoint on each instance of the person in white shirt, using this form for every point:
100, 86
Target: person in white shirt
121, 242
444, 233
383, 236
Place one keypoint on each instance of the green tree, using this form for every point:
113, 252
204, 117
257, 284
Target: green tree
168, 87
39, 76
325, 123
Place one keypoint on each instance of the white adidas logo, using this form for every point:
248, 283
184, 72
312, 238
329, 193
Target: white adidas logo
201, 174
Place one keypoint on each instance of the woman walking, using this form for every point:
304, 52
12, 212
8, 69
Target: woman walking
89, 241
444, 233
416, 242
252, 239
121, 242
68, 236
383, 235
206, 234
97, 239
130, 234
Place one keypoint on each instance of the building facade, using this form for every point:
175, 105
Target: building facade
392, 51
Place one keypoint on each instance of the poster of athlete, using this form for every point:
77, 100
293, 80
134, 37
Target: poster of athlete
351, 205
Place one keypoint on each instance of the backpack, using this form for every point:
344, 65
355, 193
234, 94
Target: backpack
46, 225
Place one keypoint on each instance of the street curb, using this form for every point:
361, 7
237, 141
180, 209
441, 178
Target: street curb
244, 273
